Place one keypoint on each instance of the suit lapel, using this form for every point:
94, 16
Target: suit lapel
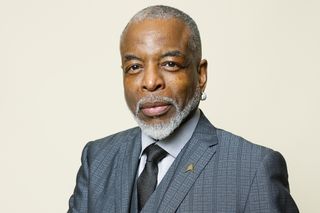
185, 170
185, 179
128, 164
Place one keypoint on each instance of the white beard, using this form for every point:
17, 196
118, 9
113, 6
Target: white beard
162, 130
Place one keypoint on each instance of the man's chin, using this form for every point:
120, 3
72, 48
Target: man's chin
156, 120
158, 128
155, 123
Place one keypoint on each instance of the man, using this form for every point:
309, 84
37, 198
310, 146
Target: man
194, 167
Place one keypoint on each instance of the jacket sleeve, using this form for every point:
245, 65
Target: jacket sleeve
78, 202
269, 191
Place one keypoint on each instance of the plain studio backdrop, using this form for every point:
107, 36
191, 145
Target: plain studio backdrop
61, 86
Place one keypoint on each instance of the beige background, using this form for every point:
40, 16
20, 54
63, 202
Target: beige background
61, 86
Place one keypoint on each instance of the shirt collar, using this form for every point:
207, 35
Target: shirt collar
175, 142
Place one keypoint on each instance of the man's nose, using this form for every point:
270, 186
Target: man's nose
152, 79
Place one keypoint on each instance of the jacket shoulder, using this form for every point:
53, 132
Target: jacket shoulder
244, 149
111, 143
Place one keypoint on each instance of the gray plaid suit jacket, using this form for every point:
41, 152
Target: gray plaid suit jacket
230, 175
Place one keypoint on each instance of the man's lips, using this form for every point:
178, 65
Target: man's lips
155, 109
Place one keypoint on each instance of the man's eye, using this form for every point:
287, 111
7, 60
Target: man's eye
135, 68
171, 66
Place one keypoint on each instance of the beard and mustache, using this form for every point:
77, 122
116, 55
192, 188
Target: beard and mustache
162, 130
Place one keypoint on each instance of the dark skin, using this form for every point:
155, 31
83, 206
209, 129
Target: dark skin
156, 60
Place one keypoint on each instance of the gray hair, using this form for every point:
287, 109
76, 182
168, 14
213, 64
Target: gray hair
166, 12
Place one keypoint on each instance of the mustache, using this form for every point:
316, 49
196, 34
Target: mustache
154, 99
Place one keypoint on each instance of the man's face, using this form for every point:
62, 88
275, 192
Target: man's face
159, 67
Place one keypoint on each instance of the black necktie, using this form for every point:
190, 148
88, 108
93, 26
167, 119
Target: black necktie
147, 181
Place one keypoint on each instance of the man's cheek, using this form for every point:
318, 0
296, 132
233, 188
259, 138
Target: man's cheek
131, 101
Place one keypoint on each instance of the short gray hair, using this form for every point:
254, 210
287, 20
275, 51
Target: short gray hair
166, 12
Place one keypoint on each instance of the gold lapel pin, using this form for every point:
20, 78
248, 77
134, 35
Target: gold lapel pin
190, 168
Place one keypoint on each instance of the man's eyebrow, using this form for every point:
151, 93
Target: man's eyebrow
173, 53
129, 57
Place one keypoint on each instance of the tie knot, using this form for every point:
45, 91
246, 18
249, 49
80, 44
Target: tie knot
155, 153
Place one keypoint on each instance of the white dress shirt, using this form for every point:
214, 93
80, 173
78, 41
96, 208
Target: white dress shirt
173, 145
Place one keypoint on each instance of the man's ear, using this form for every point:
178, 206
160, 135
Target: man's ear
202, 72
